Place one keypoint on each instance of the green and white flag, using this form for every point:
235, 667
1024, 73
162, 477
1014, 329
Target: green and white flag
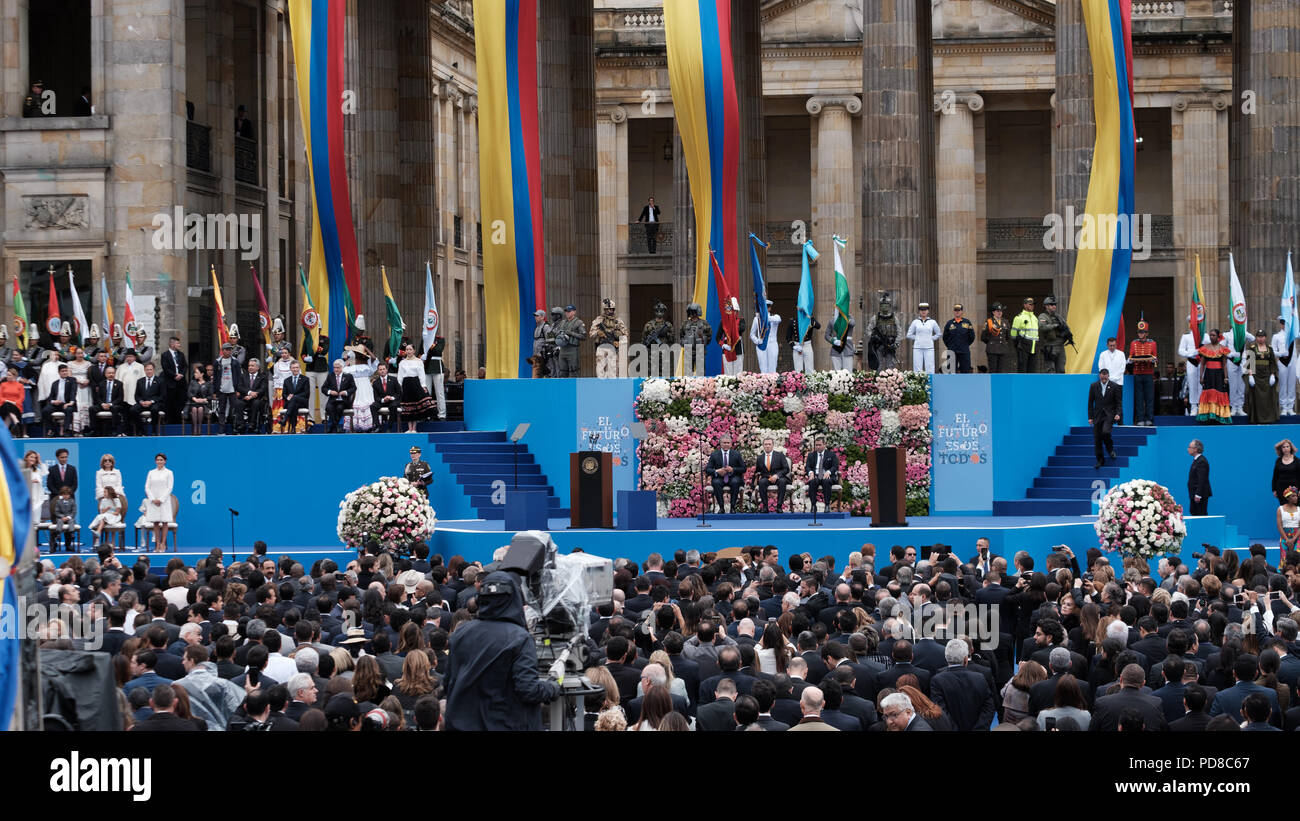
1237, 299
841, 325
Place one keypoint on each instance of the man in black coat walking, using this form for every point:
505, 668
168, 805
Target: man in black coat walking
1103, 413
1198, 479
963, 694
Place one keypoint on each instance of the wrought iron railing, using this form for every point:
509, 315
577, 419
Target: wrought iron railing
198, 146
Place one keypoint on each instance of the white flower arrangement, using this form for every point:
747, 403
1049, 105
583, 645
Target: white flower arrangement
391, 511
1140, 518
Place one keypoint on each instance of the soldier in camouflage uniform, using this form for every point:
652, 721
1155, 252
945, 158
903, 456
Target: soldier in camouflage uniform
606, 331
658, 331
883, 337
695, 331
568, 335
1053, 335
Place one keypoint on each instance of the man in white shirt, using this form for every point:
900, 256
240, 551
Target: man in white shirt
1187, 348
1285, 373
766, 357
1112, 359
923, 332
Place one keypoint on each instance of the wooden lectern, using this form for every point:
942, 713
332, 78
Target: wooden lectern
591, 489
887, 481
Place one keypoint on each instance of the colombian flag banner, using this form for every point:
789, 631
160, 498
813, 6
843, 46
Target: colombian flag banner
510, 181
318, 50
703, 81
1105, 255
15, 530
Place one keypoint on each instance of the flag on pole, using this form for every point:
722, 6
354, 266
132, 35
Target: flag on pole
760, 290
223, 332
1196, 316
1237, 299
263, 312
310, 319
20, 315
107, 308
430, 326
730, 314
55, 322
395, 325
15, 535
1288, 305
80, 326
806, 290
129, 328
841, 325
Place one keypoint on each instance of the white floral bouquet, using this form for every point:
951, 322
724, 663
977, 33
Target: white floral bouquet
391, 511
1140, 518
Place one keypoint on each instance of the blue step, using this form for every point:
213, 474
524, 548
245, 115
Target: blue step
1082, 450
1110, 471
488, 458
479, 447
1059, 493
467, 472
488, 490
1042, 507
498, 512
464, 436
486, 501
1083, 461
1122, 430
1119, 439
1068, 481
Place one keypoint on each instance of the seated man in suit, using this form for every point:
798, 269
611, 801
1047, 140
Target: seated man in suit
250, 398
340, 388
148, 397
771, 466
387, 392
725, 468
62, 399
823, 470
297, 396
108, 398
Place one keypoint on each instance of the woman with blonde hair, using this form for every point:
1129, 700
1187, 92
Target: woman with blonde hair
610, 721
415, 681
601, 677
1286, 470
343, 664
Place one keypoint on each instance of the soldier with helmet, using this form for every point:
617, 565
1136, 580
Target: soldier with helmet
143, 351
883, 337
607, 331
5, 350
996, 336
695, 331
658, 331
1024, 335
1142, 356
237, 351
1053, 335
278, 342
92, 344
568, 335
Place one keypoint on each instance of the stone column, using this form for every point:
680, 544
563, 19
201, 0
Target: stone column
1274, 148
832, 196
611, 131
898, 247
1074, 134
1195, 148
955, 175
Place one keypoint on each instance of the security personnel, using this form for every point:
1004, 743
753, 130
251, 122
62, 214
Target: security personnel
92, 344
278, 341
237, 351
418, 471
541, 331
658, 331
996, 336
958, 335
1053, 335
1142, 357
695, 330
923, 332
1024, 335
5, 351
552, 345
607, 330
568, 335
1286, 372
32, 103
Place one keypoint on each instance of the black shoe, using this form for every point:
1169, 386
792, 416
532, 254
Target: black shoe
1099, 464
1112, 455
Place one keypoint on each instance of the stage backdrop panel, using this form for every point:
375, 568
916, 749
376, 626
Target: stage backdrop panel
962, 449
1031, 412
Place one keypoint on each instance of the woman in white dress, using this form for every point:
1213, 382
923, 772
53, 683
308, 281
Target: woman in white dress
362, 367
48, 376
35, 472
108, 476
158, 501
79, 369
417, 404
112, 507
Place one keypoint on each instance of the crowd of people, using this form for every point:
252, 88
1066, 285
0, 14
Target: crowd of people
124, 388
703, 642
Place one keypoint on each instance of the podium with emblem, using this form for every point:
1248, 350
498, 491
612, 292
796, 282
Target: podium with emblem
591, 494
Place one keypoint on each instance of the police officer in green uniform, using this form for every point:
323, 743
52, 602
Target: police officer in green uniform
1024, 335
1053, 335
958, 335
568, 335
658, 331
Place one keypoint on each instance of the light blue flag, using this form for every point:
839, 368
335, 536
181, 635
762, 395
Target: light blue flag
429, 327
806, 290
1288, 313
760, 290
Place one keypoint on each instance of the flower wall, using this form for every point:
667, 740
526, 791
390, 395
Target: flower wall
856, 410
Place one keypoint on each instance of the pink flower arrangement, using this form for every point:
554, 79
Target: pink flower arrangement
1140, 518
391, 511
914, 417
815, 403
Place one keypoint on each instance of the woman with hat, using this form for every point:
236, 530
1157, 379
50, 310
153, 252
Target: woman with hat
1288, 520
1261, 381
416, 402
996, 336
361, 363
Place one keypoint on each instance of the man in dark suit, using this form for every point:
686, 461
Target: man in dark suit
1195, 718
387, 392
108, 398
1151, 645
1042, 696
900, 716
902, 655
963, 693
1103, 413
765, 694
1228, 701
726, 468
250, 397
685, 669
148, 397
1198, 479
175, 378
771, 467
115, 636
719, 714
729, 664
340, 387
164, 718
1108, 710
823, 470
62, 399
625, 675
1174, 691
650, 216
297, 396
982, 561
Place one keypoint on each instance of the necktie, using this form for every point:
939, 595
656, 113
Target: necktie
769, 462
818, 472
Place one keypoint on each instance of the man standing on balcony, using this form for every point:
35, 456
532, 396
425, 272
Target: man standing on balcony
650, 216
243, 125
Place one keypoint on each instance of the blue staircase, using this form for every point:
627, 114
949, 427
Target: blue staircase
1065, 486
479, 458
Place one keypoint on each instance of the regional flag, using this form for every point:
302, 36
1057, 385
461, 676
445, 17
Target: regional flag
395, 325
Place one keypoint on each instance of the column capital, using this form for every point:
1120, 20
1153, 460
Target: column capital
1219, 100
613, 113
848, 102
946, 102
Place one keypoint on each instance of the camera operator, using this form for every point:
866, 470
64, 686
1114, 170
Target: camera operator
492, 681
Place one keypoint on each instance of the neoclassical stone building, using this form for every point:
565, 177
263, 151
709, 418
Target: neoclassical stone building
935, 136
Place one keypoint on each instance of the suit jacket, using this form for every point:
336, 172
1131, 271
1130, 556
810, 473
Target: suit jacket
919, 725
734, 460
830, 462
55, 483
1153, 647
928, 655
780, 466
346, 385
115, 399
767, 722
709, 687
173, 362
1042, 696
68, 392
1108, 709
1198, 477
386, 388
627, 678
860, 708
1229, 701
245, 382
645, 213
813, 724
688, 671
718, 716
149, 391
1108, 405
890, 677
965, 696
166, 722
113, 641
1190, 723
297, 387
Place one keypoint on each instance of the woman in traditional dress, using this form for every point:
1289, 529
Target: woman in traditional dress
416, 402
280, 371
1215, 404
1288, 520
1261, 384
361, 363
79, 369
